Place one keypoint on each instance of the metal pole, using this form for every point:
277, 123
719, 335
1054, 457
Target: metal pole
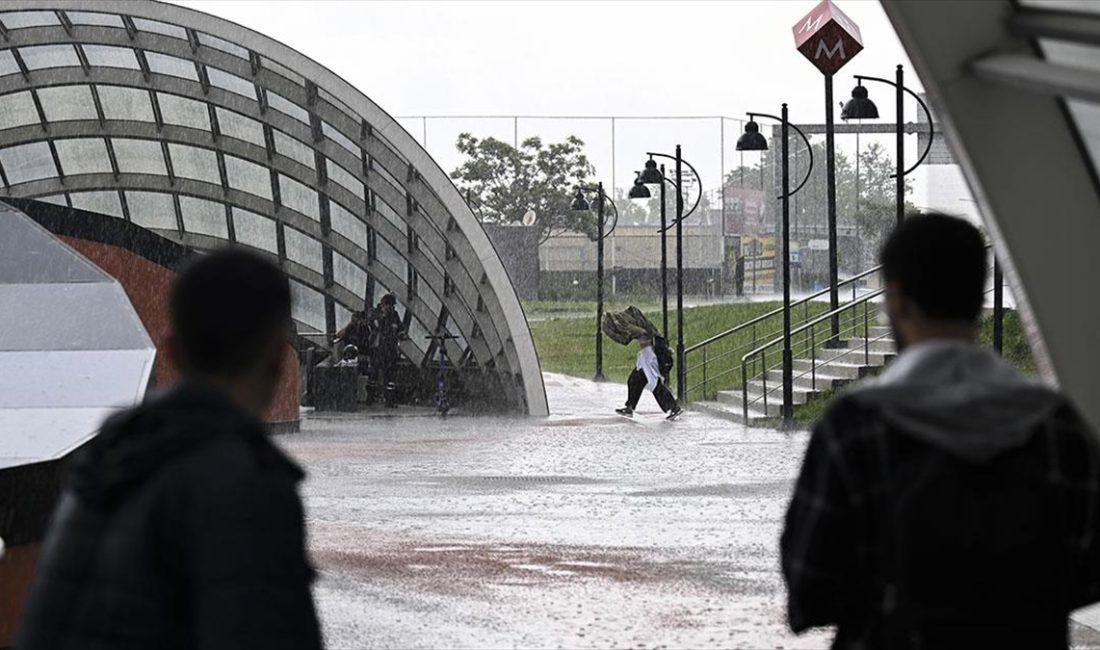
788, 362
681, 376
726, 272
830, 180
998, 306
599, 285
664, 257
901, 146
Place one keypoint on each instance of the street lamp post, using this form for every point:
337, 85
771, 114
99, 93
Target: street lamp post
580, 203
650, 176
862, 108
753, 140
640, 191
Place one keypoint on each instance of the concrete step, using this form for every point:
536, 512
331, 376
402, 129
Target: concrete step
756, 396
874, 344
820, 381
844, 368
734, 414
852, 355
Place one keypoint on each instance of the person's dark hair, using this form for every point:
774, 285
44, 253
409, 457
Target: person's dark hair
938, 262
389, 299
224, 309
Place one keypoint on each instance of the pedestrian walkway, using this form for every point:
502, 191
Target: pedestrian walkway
579, 530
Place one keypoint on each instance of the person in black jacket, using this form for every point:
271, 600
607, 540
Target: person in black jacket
181, 524
387, 331
951, 502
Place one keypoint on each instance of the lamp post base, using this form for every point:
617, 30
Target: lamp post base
599, 377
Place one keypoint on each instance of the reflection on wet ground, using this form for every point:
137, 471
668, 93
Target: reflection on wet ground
584, 530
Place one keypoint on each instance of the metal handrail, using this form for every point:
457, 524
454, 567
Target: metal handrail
817, 321
778, 310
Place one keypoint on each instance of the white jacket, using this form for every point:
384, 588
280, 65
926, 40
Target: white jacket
647, 363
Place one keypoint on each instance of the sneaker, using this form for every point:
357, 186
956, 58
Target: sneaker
625, 411
674, 413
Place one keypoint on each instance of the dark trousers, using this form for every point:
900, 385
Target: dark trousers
635, 384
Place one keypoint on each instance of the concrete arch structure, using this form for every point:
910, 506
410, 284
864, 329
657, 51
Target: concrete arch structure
206, 132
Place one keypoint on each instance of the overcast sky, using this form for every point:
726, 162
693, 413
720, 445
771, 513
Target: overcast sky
596, 58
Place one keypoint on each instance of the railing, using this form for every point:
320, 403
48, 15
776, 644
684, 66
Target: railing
804, 342
705, 381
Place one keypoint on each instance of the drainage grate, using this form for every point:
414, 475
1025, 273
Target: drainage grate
536, 479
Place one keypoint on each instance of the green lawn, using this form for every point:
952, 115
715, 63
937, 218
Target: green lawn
567, 345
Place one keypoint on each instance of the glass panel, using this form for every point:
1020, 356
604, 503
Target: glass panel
303, 249
343, 177
284, 105
40, 57
348, 275
183, 111
391, 259
330, 98
152, 210
20, 19
343, 315
56, 199
340, 139
125, 103
381, 171
17, 109
139, 156
98, 202
235, 125
390, 215
89, 18
255, 230
307, 306
248, 176
111, 57
277, 67
83, 156
299, 197
27, 162
61, 103
203, 217
7, 63
346, 224
417, 333
224, 46
193, 162
231, 82
160, 28
293, 148
171, 65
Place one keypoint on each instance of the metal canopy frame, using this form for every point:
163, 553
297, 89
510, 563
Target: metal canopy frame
453, 279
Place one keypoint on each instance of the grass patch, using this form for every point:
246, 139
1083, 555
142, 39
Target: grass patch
567, 345
550, 308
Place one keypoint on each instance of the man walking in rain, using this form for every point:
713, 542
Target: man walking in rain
181, 524
951, 502
647, 375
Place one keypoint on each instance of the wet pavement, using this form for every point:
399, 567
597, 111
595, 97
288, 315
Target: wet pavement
581, 530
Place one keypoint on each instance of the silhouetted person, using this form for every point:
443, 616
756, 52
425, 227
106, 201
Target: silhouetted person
181, 524
951, 502
386, 333
356, 333
739, 275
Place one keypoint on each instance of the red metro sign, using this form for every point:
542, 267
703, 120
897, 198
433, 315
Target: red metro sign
827, 37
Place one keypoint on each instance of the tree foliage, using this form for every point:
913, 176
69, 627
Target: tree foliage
505, 182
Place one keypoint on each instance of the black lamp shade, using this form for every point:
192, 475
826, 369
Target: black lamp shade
651, 175
639, 191
752, 139
579, 202
859, 107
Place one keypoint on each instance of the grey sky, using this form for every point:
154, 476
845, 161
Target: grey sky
574, 58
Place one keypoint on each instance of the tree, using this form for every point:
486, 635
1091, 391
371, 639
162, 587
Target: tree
506, 182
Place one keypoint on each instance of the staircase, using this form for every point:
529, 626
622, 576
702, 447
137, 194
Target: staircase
814, 376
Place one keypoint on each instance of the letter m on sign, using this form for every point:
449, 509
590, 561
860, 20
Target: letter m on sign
827, 37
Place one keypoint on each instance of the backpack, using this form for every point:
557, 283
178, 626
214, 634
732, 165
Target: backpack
665, 360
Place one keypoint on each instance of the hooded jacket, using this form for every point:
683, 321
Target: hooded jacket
181, 527
950, 502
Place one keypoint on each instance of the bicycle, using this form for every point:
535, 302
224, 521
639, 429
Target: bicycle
442, 405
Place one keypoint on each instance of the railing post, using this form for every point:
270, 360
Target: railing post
745, 392
704, 372
813, 360
764, 377
866, 334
